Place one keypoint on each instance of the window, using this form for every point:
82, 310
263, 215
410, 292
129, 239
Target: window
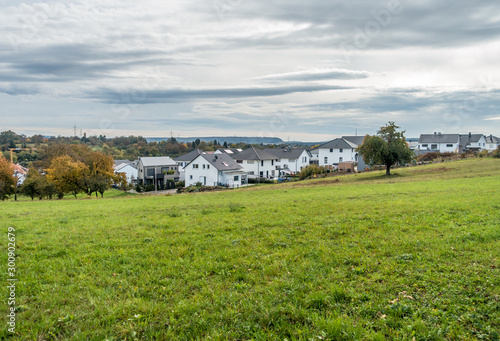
204, 166
236, 178
208, 166
272, 163
164, 169
341, 159
331, 150
291, 160
261, 174
239, 161
326, 160
195, 165
341, 150
425, 145
150, 172
434, 146
262, 163
449, 145
190, 177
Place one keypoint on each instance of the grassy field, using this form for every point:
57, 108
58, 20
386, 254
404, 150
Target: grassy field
414, 256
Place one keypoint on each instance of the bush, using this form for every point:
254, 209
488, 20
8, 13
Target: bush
260, 180
180, 184
139, 188
310, 170
496, 153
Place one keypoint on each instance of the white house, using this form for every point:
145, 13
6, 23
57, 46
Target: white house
472, 142
257, 163
214, 170
314, 156
437, 142
336, 151
492, 142
290, 159
129, 170
184, 160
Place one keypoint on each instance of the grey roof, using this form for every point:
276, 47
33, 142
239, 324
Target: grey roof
123, 165
314, 151
492, 139
119, 162
438, 138
338, 143
357, 140
222, 162
465, 138
157, 161
285, 153
253, 153
230, 151
189, 156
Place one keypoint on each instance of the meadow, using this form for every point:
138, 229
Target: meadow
414, 256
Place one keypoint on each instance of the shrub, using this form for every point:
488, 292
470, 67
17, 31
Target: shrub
496, 153
310, 170
180, 184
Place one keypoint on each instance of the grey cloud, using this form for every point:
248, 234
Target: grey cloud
315, 75
181, 95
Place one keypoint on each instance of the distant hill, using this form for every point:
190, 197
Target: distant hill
222, 139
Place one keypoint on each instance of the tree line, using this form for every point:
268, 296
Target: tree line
64, 169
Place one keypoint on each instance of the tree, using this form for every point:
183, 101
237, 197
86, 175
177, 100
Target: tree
387, 148
66, 173
31, 184
8, 181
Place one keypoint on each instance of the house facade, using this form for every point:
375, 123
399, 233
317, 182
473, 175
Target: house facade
157, 171
492, 142
336, 151
290, 159
472, 142
129, 170
437, 142
257, 163
184, 160
215, 170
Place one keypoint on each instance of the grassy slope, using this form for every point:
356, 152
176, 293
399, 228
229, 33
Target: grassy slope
368, 257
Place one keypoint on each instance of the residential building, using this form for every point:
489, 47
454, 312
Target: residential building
492, 142
472, 142
130, 171
184, 160
157, 170
290, 160
257, 163
336, 151
214, 170
437, 142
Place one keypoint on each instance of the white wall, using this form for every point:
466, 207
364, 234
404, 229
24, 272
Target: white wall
442, 147
130, 173
268, 168
295, 165
348, 154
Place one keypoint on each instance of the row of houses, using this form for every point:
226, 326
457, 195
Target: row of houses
234, 167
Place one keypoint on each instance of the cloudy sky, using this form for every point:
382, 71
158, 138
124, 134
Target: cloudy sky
299, 70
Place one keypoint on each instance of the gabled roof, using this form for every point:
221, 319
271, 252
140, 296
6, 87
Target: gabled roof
338, 143
314, 151
119, 162
285, 153
469, 138
438, 138
492, 139
230, 151
221, 162
253, 153
189, 156
123, 165
357, 140
157, 161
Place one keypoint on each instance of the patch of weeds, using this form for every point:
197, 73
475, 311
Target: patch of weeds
234, 207
205, 211
405, 257
148, 240
174, 214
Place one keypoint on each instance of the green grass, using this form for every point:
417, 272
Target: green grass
414, 256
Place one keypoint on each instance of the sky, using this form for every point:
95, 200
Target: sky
299, 70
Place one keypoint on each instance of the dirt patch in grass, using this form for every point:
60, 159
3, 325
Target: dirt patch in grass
432, 170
